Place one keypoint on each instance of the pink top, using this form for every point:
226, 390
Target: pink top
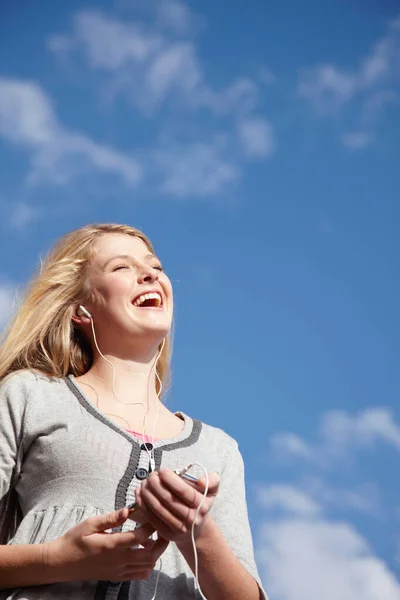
147, 438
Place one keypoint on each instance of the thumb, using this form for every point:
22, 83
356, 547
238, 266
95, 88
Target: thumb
100, 523
213, 483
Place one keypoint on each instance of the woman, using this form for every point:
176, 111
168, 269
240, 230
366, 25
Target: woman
83, 434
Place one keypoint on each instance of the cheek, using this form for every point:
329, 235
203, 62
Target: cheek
116, 287
166, 283
168, 288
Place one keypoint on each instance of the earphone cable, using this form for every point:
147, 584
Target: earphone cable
150, 456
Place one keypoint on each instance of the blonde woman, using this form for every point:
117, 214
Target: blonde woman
83, 434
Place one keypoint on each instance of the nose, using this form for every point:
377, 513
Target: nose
147, 274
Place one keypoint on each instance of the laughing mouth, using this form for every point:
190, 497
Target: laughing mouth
149, 300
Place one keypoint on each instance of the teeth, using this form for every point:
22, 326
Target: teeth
152, 296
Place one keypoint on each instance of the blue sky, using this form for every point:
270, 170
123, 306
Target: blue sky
257, 144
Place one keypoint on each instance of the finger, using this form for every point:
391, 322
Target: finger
159, 525
169, 501
152, 543
180, 488
137, 536
137, 515
101, 523
160, 503
159, 548
139, 556
213, 484
152, 519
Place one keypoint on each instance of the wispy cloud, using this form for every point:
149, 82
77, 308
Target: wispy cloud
21, 215
356, 139
309, 557
286, 445
196, 169
257, 137
311, 496
330, 88
175, 15
8, 301
155, 65
304, 550
107, 43
364, 429
327, 87
363, 497
57, 155
150, 66
288, 498
338, 433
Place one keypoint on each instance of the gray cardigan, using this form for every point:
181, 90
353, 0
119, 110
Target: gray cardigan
66, 461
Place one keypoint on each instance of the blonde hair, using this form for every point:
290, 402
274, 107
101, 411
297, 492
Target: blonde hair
42, 335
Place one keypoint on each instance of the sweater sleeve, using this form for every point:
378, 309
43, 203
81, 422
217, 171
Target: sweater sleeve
13, 396
231, 515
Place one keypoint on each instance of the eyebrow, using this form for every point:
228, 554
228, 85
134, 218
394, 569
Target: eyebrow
127, 257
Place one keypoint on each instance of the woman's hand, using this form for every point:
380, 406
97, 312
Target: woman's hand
86, 552
169, 504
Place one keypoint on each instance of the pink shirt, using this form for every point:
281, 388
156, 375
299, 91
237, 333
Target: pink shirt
147, 438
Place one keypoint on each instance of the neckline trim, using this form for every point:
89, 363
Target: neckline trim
173, 442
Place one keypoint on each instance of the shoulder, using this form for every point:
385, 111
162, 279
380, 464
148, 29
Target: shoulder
25, 398
25, 383
218, 439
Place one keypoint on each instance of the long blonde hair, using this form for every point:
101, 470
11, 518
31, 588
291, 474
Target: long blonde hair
42, 335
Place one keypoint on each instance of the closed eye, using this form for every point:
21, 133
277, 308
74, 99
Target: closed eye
158, 267
118, 267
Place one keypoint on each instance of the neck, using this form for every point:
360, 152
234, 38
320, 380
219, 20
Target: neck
135, 380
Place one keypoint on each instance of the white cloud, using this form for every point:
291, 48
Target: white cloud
356, 139
287, 498
303, 552
21, 215
148, 65
288, 445
8, 302
329, 88
362, 498
152, 65
257, 137
306, 559
176, 68
107, 43
195, 170
174, 15
366, 428
381, 65
314, 495
339, 432
240, 97
28, 120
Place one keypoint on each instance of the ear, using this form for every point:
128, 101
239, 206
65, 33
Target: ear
81, 316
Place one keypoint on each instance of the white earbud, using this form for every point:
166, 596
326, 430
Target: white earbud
82, 311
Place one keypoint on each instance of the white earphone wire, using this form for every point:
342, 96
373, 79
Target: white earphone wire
151, 452
196, 560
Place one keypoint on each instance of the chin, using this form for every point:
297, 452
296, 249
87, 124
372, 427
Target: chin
159, 331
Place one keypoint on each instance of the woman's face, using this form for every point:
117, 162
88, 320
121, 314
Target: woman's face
134, 294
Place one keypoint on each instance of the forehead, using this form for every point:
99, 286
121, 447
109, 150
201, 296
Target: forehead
112, 244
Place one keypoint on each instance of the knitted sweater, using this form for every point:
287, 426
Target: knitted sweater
66, 461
